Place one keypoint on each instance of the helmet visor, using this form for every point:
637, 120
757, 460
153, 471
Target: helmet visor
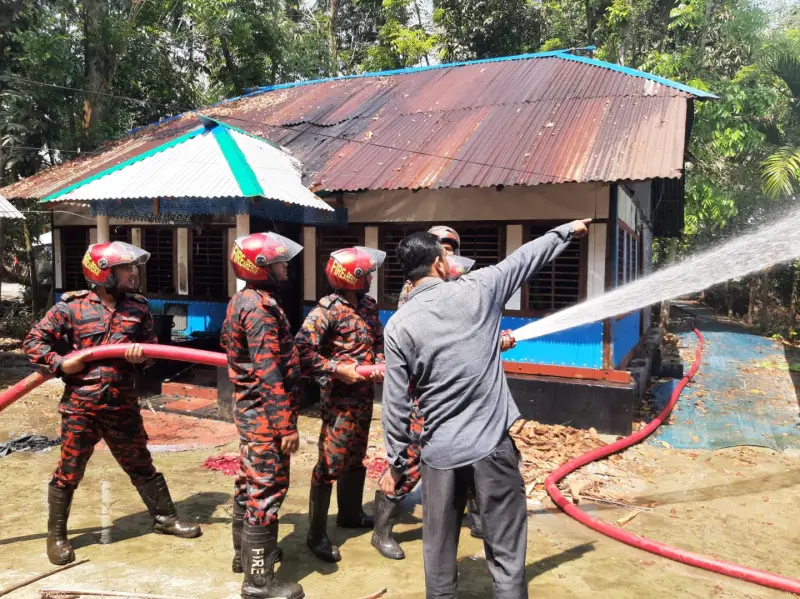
377, 256
125, 253
292, 247
460, 264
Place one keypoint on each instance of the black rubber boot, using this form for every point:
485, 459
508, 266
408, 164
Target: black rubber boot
476, 528
156, 497
259, 556
59, 549
236, 528
385, 517
318, 503
350, 494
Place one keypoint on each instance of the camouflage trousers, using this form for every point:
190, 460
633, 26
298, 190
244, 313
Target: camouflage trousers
263, 478
342, 440
413, 470
122, 430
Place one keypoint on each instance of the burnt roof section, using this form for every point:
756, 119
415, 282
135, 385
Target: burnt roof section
543, 118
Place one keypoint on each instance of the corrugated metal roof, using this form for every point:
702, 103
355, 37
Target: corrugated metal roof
7, 210
526, 120
213, 161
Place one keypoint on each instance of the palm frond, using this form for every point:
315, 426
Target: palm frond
782, 171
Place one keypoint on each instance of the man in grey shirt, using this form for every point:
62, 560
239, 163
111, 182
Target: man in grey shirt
444, 338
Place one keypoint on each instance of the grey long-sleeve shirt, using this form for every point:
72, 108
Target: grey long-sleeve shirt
445, 339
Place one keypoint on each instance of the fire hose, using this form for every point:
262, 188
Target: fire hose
767, 579
105, 352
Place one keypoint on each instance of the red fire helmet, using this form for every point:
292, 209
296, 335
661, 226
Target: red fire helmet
459, 266
101, 258
447, 235
252, 254
348, 268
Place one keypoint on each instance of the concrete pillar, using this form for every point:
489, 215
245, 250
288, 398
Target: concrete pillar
58, 259
371, 241
103, 228
310, 264
183, 262
596, 269
514, 242
232, 280
242, 229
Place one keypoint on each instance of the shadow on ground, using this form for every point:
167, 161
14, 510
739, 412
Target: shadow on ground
201, 507
476, 571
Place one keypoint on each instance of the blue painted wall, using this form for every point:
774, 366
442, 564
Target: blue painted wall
581, 347
625, 335
201, 316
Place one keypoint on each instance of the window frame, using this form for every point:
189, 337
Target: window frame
144, 287
459, 226
583, 266
223, 229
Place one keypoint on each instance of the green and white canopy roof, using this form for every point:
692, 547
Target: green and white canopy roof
212, 161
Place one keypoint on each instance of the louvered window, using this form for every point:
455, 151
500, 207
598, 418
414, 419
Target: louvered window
483, 244
627, 256
208, 263
391, 274
559, 284
159, 270
119, 234
74, 243
330, 240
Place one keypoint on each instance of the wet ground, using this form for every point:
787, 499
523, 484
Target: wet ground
740, 504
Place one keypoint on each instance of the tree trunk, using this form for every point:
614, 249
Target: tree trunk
665, 305
793, 302
32, 262
332, 45
98, 68
764, 314
422, 28
729, 288
751, 307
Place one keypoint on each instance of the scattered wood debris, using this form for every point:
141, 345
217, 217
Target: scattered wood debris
544, 448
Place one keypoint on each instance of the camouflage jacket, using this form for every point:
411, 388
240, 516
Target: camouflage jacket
79, 321
335, 331
263, 364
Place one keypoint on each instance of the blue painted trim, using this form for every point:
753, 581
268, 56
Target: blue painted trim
636, 73
581, 347
201, 317
625, 334
565, 54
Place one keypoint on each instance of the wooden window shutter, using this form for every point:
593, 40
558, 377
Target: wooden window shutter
558, 284
74, 243
208, 263
159, 270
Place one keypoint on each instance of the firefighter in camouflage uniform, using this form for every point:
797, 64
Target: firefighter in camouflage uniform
395, 486
264, 368
100, 401
340, 333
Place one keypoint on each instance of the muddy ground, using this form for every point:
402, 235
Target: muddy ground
739, 504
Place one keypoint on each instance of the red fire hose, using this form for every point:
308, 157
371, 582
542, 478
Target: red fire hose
158, 352
700, 561
767, 579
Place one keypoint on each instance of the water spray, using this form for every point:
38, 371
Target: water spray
769, 245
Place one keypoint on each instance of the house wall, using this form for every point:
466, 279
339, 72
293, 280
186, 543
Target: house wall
513, 210
193, 313
634, 217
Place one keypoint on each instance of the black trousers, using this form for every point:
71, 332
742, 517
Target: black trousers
501, 499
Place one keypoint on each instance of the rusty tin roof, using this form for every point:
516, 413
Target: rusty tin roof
542, 118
